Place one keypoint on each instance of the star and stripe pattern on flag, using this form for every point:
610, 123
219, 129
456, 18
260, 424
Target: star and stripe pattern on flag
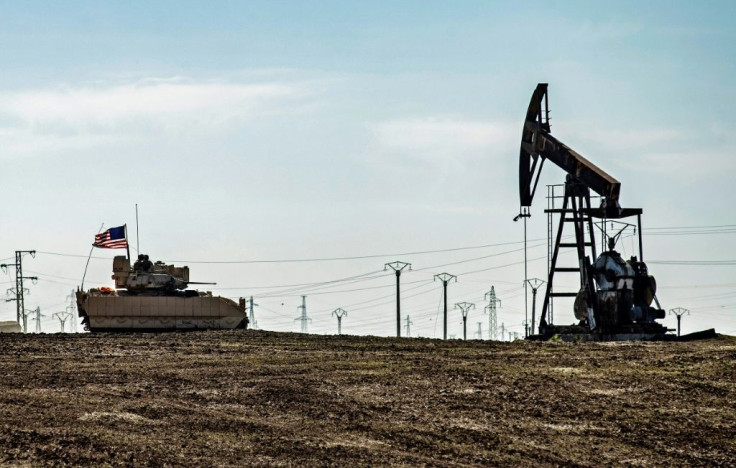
113, 238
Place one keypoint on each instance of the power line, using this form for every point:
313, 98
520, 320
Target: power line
324, 284
675, 230
353, 257
498, 254
353, 308
59, 254
694, 262
690, 233
311, 287
691, 227
299, 284
316, 292
374, 300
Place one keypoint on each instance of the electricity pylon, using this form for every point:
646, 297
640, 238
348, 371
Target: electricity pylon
72, 311
339, 313
445, 278
465, 307
479, 332
19, 290
398, 267
408, 325
535, 283
303, 316
37, 318
62, 316
679, 312
491, 311
253, 323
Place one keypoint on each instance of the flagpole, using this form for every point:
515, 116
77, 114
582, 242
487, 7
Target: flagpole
90, 256
127, 244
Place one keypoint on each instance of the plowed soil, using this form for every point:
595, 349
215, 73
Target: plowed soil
250, 398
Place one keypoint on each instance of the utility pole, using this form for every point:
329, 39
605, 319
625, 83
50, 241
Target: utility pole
19, 291
37, 318
491, 310
71, 309
303, 316
339, 313
408, 325
526, 328
479, 332
524, 213
398, 267
503, 332
535, 283
62, 316
445, 278
679, 312
465, 307
252, 313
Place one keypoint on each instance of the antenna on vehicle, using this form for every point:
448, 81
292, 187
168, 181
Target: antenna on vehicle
137, 239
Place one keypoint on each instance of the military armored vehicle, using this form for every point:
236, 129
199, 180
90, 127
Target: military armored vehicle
154, 297
10, 326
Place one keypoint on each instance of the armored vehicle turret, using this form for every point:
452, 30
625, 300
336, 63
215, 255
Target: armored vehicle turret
151, 279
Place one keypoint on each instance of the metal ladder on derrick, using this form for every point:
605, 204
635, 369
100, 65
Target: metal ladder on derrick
575, 209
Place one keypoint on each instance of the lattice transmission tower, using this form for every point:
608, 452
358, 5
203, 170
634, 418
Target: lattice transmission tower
490, 309
19, 291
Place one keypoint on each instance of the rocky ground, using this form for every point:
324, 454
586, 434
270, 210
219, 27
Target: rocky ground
250, 398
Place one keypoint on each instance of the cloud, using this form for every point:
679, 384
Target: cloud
683, 166
21, 141
595, 32
80, 116
445, 143
439, 134
624, 140
674, 153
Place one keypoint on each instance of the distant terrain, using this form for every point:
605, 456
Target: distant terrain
253, 398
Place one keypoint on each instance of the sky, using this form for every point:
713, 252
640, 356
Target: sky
286, 148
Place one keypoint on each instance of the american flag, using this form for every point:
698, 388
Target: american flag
113, 238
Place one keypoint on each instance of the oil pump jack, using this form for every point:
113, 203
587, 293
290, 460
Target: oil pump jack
614, 299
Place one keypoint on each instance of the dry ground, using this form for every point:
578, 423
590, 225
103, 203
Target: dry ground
246, 398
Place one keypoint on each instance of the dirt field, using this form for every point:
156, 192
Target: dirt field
245, 398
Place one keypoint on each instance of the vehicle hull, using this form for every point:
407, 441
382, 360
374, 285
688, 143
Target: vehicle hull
112, 312
10, 327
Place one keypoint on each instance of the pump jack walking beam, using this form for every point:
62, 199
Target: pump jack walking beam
537, 145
